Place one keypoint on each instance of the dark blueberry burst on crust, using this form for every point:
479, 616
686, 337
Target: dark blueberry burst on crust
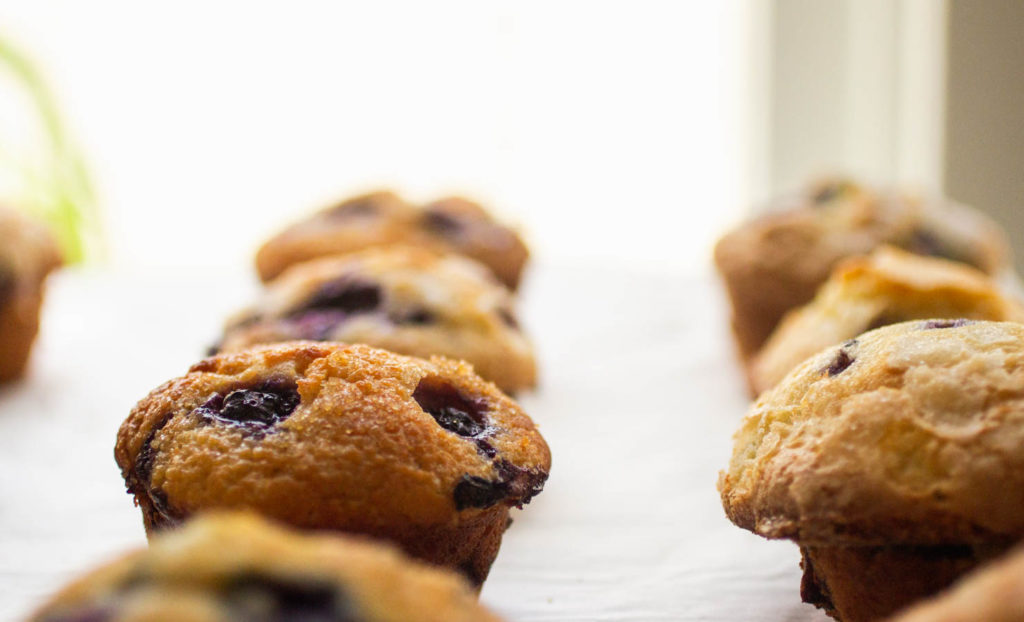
843, 359
442, 223
261, 598
344, 294
936, 324
464, 417
260, 406
452, 410
513, 484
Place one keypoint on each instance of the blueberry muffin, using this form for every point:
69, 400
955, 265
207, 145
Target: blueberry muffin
28, 253
777, 262
382, 218
322, 435
403, 299
864, 293
994, 593
239, 568
895, 461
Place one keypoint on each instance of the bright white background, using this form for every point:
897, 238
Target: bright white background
611, 132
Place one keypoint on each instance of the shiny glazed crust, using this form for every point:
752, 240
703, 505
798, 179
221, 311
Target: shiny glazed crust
777, 262
193, 574
382, 219
28, 253
358, 453
423, 304
909, 435
863, 293
994, 593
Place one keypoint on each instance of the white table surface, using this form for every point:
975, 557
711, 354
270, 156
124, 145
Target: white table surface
639, 399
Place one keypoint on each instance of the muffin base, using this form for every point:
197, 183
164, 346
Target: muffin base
864, 583
19, 323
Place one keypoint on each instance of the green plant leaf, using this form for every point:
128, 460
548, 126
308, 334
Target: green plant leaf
60, 192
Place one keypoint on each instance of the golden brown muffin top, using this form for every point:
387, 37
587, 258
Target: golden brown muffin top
833, 220
911, 434
838, 218
324, 434
226, 567
401, 298
383, 218
415, 281
887, 287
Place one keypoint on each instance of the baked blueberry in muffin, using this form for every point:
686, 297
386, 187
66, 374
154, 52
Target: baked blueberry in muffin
404, 299
236, 567
453, 225
887, 287
320, 435
777, 262
895, 461
28, 253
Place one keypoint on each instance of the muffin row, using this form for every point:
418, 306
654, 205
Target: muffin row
301, 416
888, 441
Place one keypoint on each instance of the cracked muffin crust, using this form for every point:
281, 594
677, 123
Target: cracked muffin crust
230, 567
404, 299
28, 253
351, 438
863, 293
895, 461
452, 225
777, 262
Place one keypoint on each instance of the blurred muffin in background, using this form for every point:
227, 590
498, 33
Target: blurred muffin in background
453, 225
777, 261
404, 299
887, 287
28, 253
238, 567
